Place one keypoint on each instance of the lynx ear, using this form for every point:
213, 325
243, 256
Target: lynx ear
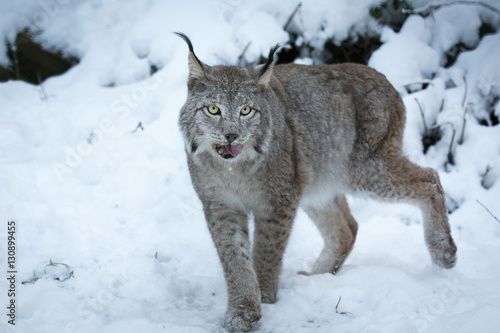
266, 71
196, 67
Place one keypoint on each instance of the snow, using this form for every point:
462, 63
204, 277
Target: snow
397, 58
93, 172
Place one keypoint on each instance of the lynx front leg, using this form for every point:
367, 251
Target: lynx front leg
270, 240
230, 234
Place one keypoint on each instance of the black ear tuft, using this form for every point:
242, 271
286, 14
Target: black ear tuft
196, 67
270, 59
186, 39
265, 72
188, 42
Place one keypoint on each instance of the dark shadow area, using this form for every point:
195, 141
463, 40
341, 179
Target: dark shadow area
30, 62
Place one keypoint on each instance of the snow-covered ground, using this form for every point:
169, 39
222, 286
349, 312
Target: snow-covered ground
92, 169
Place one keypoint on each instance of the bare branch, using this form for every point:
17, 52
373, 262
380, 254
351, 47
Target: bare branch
240, 58
496, 218
464, 122
451, 159
430, 9
424, 84
426, 130
343, 312
291, 16
138, 127
464, 119
43, 94
484, 181
465, 92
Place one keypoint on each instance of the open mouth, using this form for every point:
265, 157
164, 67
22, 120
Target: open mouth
229, 151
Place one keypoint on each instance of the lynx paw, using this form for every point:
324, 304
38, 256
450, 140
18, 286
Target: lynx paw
268, 298
444, 254
241, 319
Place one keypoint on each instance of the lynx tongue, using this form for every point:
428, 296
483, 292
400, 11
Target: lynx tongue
233, 150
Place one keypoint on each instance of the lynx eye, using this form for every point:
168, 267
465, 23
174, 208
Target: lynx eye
245, 110
212, 109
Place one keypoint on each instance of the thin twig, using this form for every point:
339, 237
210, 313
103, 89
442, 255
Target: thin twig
138, 127
43, 94
464, 122
465, 92
240, 58
337, 306
51, 263
343, 312
479, 202
483, 180
32, 279
291, 16
423, 116
424, 84
12, 52
451, 159
429, 9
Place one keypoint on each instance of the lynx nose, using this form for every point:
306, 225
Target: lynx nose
231, 137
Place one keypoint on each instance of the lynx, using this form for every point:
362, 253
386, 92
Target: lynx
268, 139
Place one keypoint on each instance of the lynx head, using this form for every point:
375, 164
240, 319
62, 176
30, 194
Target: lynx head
226, 114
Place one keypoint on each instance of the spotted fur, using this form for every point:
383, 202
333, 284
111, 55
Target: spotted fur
315, 134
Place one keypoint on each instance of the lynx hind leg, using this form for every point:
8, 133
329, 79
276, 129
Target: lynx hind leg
398, 179
437, 233
338, 229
